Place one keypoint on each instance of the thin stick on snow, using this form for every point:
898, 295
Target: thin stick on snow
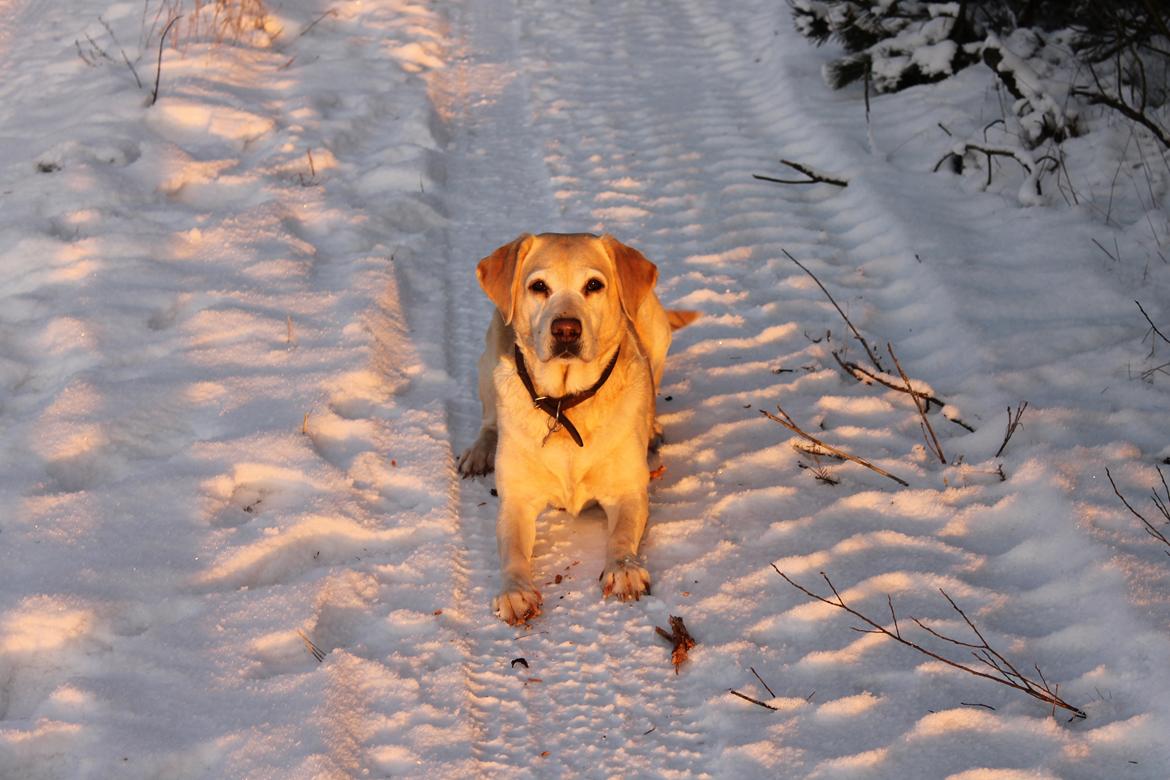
1152, 325
787, 422
315, 22
1004, 672
311, 646
745, 697
868, 377
158, 69
1163, 507
1110, 255
761, 679
857, 334
921, 407
814, 176
1012, 423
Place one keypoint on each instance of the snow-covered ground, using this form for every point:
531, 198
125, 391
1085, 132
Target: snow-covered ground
238, 334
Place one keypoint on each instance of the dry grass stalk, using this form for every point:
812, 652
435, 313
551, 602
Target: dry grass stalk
162, 39
1162, 504
921, 407
1002, 671
1012, 424
787, 422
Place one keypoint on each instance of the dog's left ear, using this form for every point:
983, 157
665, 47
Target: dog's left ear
499, 276
636, 274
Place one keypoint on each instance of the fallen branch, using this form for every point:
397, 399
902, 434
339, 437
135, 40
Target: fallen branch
1004, 672
814, 176
926, 426
868, 377
1163, 506
1126, 110
680, 637
790, 425
1030, 165
1012, 423
872, 357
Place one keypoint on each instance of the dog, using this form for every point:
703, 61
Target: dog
572, 361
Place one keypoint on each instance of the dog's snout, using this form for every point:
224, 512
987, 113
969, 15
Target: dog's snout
566, 330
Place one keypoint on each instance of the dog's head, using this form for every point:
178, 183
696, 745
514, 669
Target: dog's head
568, 296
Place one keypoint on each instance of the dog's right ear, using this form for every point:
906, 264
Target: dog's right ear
499, 274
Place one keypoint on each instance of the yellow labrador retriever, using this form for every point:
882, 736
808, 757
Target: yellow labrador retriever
574, 354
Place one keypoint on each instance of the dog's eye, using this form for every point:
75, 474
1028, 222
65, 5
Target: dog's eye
539, 287
594, 285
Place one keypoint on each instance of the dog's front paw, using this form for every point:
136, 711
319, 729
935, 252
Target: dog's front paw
480, 458
518, 602
625, 578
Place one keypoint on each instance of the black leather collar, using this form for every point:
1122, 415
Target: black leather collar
556, 407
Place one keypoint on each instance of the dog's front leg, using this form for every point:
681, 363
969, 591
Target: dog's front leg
519, 600
624, 575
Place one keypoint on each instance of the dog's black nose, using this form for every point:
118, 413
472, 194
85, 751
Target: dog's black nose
566, 330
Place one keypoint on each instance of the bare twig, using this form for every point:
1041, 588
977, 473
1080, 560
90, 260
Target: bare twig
814, 452
814, 176
315, 22
787, 422
761, 679
1152, 325
868, 377
680, 637
921, 407
311, 646
1162, 505
158, 70
857, 334
1005, 673
1012, 423
125, 58
745, 697
1019, 155
1108, 254
1126, 110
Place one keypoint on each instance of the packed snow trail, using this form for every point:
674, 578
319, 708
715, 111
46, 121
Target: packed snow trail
238, 339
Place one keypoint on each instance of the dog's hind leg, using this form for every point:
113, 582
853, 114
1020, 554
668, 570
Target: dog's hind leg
480, 458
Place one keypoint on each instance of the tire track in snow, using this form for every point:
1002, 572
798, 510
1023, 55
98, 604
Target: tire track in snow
653, 119
498, 190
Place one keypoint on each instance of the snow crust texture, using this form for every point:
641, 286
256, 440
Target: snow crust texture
238, 342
